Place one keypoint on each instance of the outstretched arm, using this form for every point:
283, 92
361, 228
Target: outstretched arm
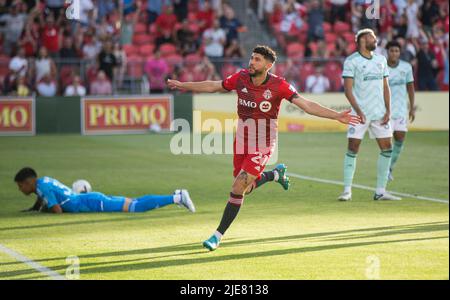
198, 87
314, 108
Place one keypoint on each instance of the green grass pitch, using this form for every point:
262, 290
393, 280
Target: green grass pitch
300, 234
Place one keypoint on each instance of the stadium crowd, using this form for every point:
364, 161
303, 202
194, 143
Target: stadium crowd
115, 42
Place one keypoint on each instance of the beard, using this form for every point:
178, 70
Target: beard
372, 47
256, 73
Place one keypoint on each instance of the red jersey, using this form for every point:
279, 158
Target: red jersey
50, 37
259, 103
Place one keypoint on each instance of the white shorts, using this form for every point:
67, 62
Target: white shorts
399, 124
376, 130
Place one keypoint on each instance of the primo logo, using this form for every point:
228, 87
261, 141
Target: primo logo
73, 11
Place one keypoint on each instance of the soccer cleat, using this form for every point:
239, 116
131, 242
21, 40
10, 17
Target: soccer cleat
386, 196
212, 243
185, 200
390, 176
346, 196
283, 179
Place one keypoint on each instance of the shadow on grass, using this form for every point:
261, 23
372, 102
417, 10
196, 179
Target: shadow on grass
204, 257
111, 267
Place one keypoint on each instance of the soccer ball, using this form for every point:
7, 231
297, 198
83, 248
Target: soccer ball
81, 187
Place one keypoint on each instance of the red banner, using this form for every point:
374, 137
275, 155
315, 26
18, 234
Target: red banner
17, 116
126, 114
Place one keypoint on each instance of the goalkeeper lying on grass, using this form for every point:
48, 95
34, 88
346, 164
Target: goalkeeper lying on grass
58, 198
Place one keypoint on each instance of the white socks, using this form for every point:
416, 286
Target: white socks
177, 198
218, 235
347, 189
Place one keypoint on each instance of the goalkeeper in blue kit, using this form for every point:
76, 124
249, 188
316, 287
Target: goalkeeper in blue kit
59, 198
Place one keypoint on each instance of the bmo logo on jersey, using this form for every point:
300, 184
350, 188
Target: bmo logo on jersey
247, 103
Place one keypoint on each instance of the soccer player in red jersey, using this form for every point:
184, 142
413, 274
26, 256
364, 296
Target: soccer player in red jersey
259, 98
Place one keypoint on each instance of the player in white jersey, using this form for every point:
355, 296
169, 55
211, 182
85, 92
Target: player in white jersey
367, 89
401, 82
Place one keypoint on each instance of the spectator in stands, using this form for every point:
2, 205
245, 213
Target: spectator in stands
44, 65
107, 60
157, 70
338, 10
214, 40
68, 52
14, 23
87, 8
29, 40
427, 66
104, 29
412, 12
408, 50
101, 85
205, 16
56, 7
401, 27
76, 88
316, 16
181, 9
129, 22
165, 38
154, 9
18, 65
166, 22
429, 14
22, 89
230, 23
185, 39
51, 34
235, 51
121, 59
317, 83
47, 86
291, 17
91, 47
105, 7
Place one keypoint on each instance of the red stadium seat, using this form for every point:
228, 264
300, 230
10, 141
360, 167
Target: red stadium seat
174, 60
228, 69
130, 50
333, 70
280, 69
142, 38
140, 28
167, 49
192, 60
330, 37
295, 50
341, 27
349, 37
146, 50
306, 69
327, 27
135, 66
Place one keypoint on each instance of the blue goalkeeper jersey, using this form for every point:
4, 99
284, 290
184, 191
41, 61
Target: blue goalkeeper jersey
53, 192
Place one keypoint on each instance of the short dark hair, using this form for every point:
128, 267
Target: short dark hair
267, 52
24, 174
393, 44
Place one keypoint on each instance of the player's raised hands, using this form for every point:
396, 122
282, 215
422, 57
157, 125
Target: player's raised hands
346, 117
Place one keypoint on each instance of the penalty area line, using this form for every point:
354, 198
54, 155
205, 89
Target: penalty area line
38, 267
364, 187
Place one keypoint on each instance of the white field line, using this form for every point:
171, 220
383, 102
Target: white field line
363, 187
38, 267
